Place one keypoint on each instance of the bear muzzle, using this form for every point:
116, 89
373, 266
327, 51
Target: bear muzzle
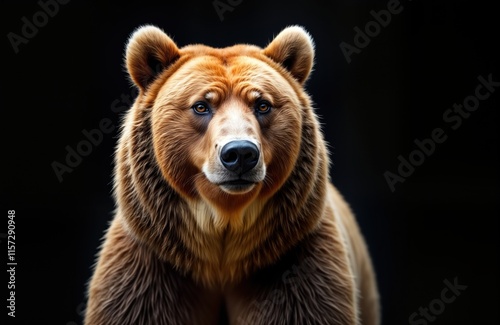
237, 167
239, 156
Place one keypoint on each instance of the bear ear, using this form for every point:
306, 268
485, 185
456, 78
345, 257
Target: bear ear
293, 48
149, 51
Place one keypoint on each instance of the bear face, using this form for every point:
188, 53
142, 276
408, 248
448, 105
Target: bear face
225, 122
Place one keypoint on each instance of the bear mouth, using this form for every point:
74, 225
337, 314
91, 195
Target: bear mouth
238, 186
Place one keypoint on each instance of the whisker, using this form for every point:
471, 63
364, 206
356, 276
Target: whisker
192, 179
267, 181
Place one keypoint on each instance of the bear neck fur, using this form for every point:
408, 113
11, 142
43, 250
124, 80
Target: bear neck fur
156, 215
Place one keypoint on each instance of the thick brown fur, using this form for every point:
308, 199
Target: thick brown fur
182, 248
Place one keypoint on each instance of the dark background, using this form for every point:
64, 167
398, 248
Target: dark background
441, 223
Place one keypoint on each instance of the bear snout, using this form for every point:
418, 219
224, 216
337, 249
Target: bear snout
239, 156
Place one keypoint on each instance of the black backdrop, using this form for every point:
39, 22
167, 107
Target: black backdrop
440, 224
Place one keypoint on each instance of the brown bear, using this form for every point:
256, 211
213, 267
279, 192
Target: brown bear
225, 213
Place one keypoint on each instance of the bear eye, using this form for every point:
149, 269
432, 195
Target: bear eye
262, 106
201, 108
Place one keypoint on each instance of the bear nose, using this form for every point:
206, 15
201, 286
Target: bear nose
239, 156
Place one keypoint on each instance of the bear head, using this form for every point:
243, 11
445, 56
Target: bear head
225, 122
